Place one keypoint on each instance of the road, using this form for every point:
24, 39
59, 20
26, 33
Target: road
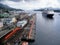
47, 30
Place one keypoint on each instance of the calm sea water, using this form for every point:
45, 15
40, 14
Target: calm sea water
47, 30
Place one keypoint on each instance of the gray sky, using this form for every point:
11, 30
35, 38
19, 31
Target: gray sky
16, 0
31, 4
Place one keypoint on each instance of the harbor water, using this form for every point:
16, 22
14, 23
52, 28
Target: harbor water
47, 30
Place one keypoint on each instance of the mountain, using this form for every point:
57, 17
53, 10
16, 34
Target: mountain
39, 9
2, 6
55, 9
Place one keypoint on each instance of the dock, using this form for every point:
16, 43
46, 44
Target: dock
20, 35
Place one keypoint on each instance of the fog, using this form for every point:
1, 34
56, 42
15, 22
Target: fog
31, 4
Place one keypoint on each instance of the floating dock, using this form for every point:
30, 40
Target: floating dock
30, 31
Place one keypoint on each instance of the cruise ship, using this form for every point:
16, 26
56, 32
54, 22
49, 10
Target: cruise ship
48, 12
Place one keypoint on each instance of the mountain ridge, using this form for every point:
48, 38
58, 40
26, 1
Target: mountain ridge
2, 6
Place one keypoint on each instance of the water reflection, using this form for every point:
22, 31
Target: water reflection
47, 30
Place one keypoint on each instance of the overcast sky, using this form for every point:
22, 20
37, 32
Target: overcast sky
31, 4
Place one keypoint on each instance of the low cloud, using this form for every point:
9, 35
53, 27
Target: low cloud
31, 4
